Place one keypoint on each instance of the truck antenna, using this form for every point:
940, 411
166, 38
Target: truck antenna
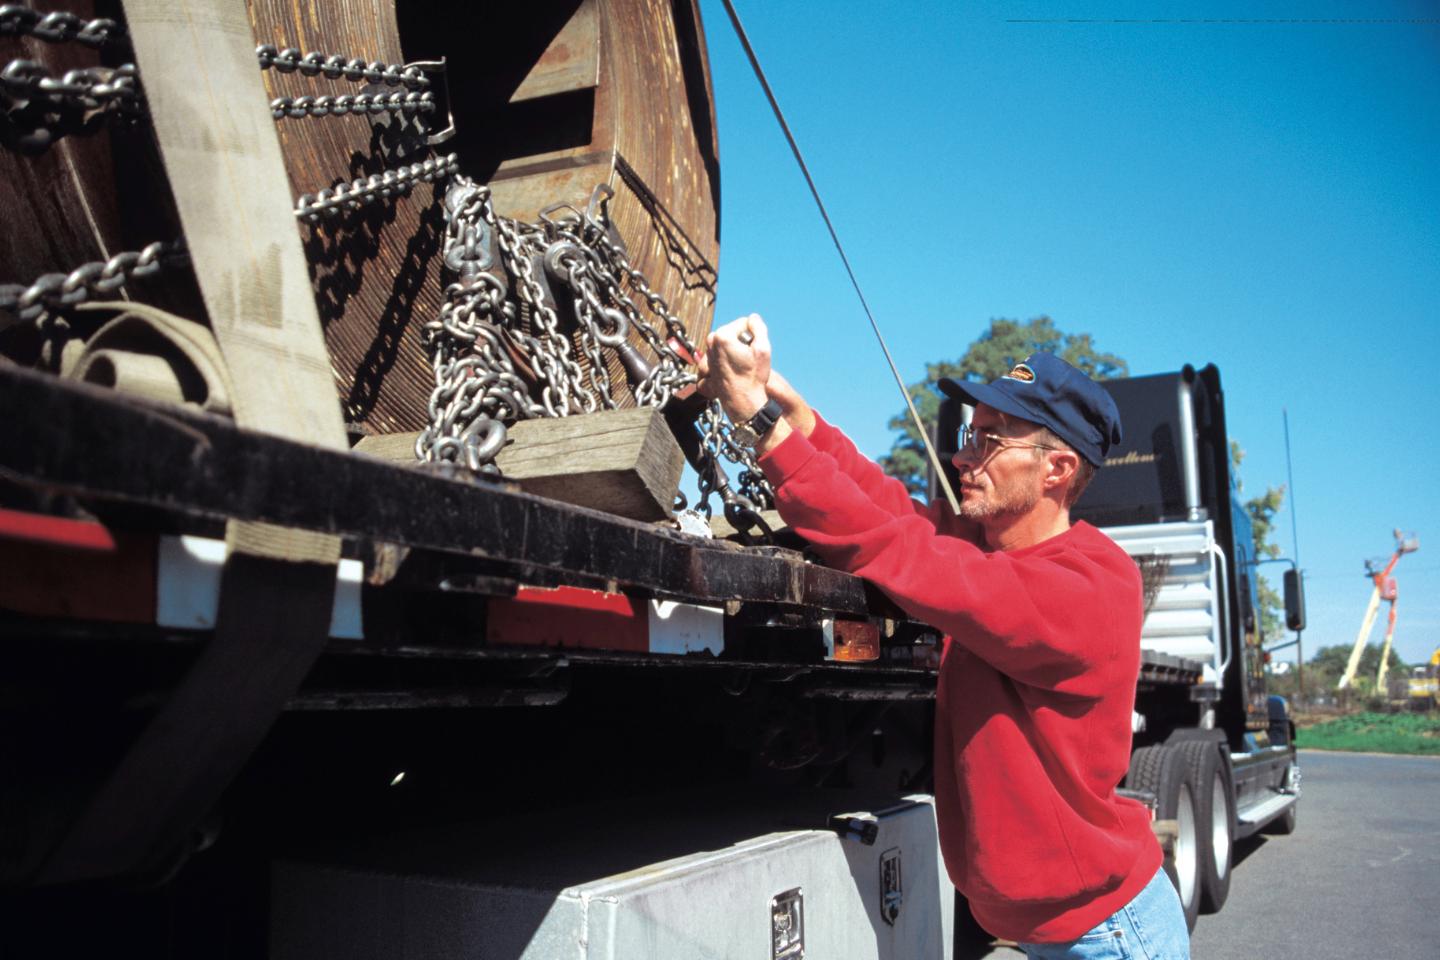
1299, 571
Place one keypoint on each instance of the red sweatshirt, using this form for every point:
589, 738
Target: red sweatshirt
1035, 693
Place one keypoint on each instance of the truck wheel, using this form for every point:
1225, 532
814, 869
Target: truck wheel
1215, 819
1163, 771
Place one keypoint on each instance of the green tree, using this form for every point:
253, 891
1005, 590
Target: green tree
1004, 344
1328, 666
1262, 510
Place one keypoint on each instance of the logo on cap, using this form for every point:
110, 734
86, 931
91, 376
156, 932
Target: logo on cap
1022, 373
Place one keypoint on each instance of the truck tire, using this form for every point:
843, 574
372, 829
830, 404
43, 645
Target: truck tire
1162, 770
1214, 817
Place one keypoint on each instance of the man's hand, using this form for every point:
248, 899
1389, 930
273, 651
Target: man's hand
736, 365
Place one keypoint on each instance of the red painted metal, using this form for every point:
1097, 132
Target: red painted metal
55, 531
570, 617
56, 580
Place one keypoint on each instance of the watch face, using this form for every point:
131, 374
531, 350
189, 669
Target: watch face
742, 434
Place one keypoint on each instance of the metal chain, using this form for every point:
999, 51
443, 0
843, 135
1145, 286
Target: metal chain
742, 507
90, 88
718, 437
521, 246
595, 281
57, 26
347, 197
335, 67
54, 291
338, 106
514, 281
503, 305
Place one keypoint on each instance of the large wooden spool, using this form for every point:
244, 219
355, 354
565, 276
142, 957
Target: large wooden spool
549, 99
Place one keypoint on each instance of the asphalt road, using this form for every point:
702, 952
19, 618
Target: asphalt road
1360, 877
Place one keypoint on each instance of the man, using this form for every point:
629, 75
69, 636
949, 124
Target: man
1037, 682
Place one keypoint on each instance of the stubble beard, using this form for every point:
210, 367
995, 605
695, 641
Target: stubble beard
1016, 499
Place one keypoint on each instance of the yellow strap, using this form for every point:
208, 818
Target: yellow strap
218, 141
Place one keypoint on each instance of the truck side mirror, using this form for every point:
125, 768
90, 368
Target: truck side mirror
1294, 600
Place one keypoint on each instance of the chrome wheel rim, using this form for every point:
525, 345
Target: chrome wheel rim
1186, 859
1220, 826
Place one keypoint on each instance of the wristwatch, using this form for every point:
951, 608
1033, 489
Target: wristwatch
752, 431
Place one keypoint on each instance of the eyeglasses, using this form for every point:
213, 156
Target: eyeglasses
982, 446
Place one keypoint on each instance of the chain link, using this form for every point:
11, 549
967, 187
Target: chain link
347, 197
742, 508
521, 246
90, 88
54, 291
501, 325
519, 286
335, 67
514, 282
57, 26
338, 106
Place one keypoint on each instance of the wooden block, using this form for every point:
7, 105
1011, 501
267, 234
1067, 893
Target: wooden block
624, 462
571, 62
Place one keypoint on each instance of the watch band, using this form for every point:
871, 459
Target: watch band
753, 430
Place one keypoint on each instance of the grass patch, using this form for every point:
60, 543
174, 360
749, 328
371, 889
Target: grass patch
1415, 733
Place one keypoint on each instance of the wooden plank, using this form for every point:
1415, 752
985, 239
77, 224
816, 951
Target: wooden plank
571, 62
624, 462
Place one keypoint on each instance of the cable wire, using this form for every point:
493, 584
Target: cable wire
824, 214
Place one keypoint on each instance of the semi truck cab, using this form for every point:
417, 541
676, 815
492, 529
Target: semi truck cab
1169, 496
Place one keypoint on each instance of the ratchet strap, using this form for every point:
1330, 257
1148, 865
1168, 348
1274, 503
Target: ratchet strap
147, 352
217, 138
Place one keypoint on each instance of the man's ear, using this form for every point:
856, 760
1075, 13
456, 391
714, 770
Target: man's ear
1061, 467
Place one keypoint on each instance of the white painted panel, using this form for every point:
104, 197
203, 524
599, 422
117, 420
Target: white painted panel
187, 593
1193, 594
345, 622
1178, 623
188, 582
686, 628
1183, 620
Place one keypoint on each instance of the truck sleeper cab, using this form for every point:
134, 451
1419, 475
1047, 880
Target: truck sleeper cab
1219, 756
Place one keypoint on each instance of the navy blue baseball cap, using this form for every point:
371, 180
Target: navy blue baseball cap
1048, 391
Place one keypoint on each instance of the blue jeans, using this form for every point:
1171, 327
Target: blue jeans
1150, 927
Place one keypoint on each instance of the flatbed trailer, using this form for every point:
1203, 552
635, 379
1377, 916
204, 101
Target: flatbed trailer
526, 726
477, 614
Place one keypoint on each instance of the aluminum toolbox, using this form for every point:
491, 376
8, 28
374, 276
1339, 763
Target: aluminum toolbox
780, 895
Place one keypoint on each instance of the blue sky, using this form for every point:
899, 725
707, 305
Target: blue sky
1264, 196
